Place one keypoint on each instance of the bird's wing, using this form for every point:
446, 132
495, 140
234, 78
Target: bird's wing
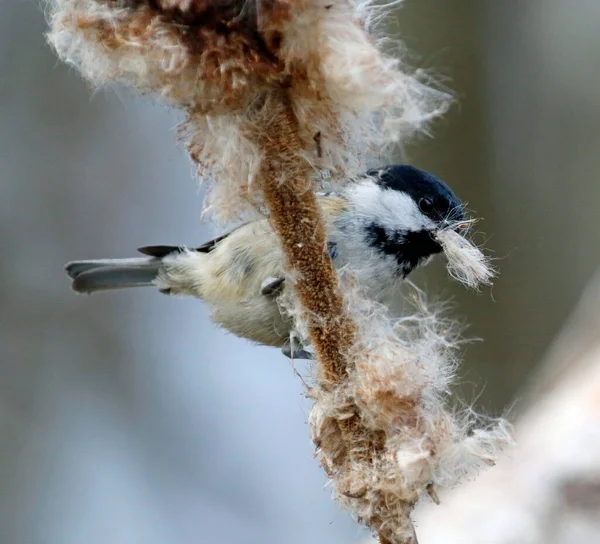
159, 252
332, 203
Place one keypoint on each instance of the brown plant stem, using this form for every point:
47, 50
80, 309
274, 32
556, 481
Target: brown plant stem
296, 218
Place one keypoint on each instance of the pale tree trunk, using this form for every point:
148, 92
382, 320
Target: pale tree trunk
547, 490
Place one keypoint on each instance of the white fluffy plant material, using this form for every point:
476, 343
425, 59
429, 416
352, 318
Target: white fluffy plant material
398, 383
204, 56
466, 262
274, 91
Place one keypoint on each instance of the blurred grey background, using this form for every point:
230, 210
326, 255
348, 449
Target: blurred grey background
131, 418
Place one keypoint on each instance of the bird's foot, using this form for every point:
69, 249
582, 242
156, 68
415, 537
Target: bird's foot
271, 286
293, 350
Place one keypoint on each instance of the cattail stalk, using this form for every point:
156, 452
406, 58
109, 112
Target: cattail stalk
284, 178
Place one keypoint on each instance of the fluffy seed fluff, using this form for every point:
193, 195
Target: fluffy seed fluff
398, 383
217, 60
465, 261
275, 92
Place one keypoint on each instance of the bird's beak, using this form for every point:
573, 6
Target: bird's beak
462, 225
456, 226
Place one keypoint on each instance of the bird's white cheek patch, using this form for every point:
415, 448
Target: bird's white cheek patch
466, 262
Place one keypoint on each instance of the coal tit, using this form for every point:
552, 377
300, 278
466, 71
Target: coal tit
381, 226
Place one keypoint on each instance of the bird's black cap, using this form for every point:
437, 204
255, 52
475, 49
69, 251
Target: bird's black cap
421, 186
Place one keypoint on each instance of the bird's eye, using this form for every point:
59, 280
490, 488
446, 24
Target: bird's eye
426, 205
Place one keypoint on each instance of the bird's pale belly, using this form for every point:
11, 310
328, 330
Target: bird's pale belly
258, 319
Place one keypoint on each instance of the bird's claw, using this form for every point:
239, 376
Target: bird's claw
271, 286
293, 350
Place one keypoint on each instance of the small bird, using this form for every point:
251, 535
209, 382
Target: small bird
381, 226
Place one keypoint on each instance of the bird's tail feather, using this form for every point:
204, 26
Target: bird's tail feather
108, 274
